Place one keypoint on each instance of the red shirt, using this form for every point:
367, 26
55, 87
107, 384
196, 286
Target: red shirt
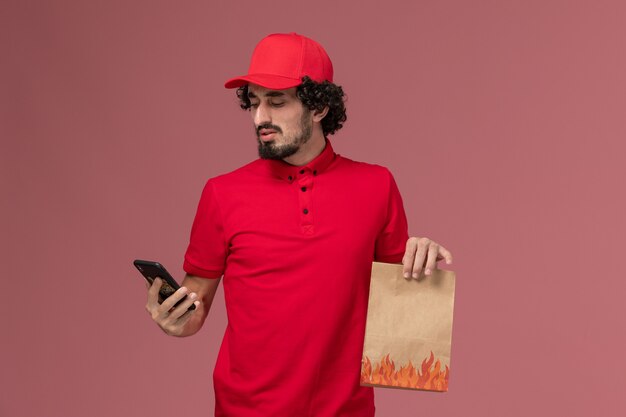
295, 246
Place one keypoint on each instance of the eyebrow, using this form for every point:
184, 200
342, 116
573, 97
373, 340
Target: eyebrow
268, 94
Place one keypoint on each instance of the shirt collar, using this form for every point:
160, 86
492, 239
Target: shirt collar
288, 172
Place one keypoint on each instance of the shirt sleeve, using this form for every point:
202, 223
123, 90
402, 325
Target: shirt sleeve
207, 250
391, 240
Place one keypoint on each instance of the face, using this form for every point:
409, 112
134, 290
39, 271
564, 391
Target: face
282, 123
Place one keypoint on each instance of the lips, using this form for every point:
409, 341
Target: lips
266, 134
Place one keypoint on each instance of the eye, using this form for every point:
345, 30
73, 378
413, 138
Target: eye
279, 104
254, 105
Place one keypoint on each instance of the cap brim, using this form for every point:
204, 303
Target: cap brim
273, 82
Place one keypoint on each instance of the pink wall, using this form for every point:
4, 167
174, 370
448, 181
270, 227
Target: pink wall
503, 122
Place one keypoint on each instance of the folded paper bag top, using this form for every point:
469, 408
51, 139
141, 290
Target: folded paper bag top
408, 332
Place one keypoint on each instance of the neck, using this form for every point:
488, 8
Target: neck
308, 151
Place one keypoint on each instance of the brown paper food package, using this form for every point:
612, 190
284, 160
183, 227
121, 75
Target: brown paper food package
408, 330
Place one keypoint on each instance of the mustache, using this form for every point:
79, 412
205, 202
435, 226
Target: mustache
268, 126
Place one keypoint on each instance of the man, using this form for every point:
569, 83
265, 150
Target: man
293, 234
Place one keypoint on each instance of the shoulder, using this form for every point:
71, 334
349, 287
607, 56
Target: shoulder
366, 170
237, 176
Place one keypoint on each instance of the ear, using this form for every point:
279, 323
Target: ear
319, 115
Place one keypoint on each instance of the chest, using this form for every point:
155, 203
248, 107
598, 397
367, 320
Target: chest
270, 221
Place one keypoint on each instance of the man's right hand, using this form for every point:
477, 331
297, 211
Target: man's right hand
171, 320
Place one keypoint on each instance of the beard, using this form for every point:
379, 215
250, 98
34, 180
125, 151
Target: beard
269, 150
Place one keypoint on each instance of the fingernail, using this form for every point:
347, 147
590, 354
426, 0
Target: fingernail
414, 274
193, 295
406, 275
428, 271
197, 303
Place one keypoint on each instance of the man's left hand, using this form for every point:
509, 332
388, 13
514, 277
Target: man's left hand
422, 252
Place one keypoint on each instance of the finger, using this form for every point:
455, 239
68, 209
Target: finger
153, 292
420, 256
409, 256
169, 302
182, 320
181, 315
431, 260
446, 254
182, 308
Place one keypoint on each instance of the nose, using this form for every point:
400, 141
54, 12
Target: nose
261, 114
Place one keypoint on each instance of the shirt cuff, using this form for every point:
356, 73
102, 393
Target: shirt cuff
201, 272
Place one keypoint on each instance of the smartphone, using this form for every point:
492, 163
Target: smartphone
150, 270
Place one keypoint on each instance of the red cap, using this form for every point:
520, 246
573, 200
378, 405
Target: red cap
280, 61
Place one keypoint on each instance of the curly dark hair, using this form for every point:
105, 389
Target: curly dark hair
315, 96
